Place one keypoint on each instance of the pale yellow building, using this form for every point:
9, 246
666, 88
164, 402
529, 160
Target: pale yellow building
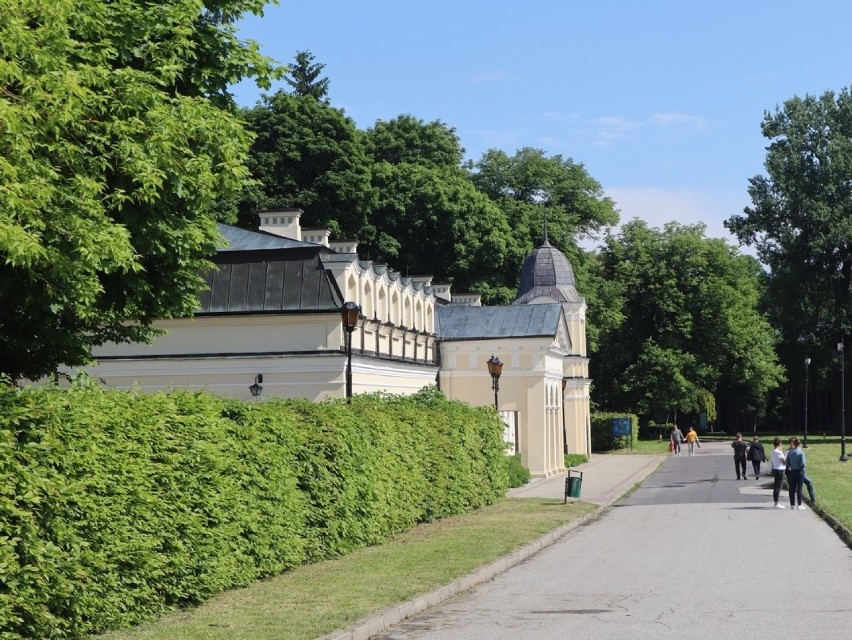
270, 320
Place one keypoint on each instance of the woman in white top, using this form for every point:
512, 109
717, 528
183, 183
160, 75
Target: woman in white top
779, 464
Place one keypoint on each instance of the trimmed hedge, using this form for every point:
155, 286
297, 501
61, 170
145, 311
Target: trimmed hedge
116, 507
602, 439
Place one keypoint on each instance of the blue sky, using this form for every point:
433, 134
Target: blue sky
660, 100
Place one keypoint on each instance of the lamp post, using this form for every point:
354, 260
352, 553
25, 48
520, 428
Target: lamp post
807, 365
256, 388
495, 368
350, 312
842, 403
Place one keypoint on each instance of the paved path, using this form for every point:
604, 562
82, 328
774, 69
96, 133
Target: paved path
692, 553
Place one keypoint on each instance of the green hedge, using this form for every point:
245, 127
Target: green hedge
602, 439
116, 507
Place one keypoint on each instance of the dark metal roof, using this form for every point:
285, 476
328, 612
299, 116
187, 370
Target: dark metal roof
243, 240
546, 272
270, 281
485, 323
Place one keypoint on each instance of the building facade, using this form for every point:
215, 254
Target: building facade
271, 316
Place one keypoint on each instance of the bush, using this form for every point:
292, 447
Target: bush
574, 459
116, 507
519, 475
602, 439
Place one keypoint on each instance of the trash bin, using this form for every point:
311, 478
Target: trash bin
573, 484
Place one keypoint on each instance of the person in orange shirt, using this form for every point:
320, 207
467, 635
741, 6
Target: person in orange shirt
691, 441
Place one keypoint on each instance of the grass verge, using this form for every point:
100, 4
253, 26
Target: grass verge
313, 600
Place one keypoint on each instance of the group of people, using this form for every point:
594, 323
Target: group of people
790, 463
677, 438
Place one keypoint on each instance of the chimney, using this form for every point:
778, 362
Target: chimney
282, 222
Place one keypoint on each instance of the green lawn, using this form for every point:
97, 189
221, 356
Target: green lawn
316, 599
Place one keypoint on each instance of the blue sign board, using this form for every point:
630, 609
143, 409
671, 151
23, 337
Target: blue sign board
621, 427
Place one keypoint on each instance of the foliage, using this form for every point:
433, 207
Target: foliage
800, 224
684, 326
602, 438
575, 460
303, 76
406, 139
309, 155
519, 475
115, 141
116, 507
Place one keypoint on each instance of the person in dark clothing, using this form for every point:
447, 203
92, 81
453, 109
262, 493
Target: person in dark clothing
740, 448
796, 465
757, 455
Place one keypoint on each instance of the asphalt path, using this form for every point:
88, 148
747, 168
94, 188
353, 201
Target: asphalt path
693, 553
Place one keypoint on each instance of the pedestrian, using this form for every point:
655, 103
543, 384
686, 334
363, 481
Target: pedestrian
757, 455
796, 464
779, 466
691, 441
740, 448
676, 439
805, 479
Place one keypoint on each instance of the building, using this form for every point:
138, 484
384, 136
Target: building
270, 322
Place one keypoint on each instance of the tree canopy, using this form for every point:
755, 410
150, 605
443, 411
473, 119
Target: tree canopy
117, 138
304, 77
800, 222
683, 324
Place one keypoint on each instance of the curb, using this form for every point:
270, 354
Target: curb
382, 620
377, 622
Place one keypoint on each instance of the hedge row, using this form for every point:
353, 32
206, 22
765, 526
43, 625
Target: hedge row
602, 438
116, 507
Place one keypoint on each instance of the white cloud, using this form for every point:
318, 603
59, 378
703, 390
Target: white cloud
657, 206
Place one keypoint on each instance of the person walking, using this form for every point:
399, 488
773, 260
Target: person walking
740, 447
676, 439
779, 466
691, 441
805, 479
757, 455
796, 464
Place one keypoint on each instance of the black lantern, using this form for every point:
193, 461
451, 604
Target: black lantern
256, 388
495, 368
350, 313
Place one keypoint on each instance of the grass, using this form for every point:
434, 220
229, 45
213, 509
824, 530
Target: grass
316, 599
313, 600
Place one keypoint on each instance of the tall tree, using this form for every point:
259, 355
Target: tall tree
406, 139
304, 77
116, 139
310, 155
686, 327
800, 222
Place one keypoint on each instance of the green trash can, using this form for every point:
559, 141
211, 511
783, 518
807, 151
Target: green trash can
573, 484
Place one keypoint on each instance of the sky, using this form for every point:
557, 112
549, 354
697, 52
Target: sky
660, 100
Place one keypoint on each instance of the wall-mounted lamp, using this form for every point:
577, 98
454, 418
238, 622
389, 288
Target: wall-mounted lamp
256, 388
495, 368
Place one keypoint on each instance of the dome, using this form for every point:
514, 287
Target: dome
547, 274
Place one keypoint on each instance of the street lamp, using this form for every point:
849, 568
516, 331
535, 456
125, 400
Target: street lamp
807, 364
842, 403
256, 388
495, 368
350, 312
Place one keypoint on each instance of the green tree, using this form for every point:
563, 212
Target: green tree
685, 327
304, 77
116, 137
310, 155
800, 223
433, 221
406, 139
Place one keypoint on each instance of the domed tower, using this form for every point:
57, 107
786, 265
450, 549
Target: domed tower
547, 278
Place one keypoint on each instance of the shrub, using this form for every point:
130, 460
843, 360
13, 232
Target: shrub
116, 507
602, 438
519, 475
574, 459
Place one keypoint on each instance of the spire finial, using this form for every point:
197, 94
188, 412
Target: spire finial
545, 226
